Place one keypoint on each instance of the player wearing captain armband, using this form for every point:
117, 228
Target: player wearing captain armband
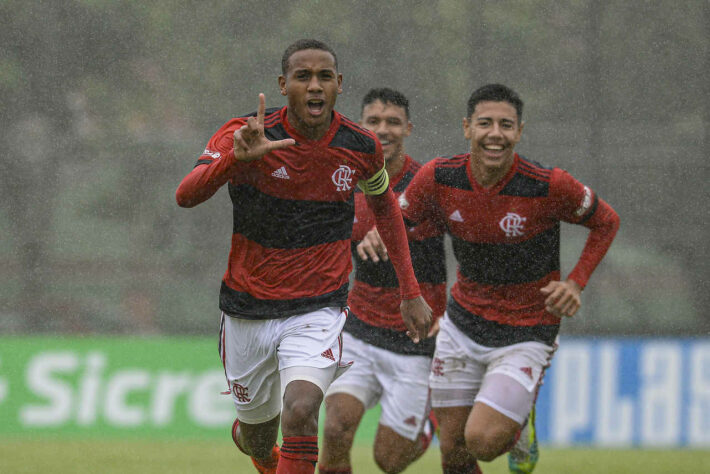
291, 173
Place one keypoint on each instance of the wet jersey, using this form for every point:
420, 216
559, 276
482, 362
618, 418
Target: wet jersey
293, 214
374, 298
506, 240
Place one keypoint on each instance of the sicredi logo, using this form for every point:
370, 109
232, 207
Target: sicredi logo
68, 388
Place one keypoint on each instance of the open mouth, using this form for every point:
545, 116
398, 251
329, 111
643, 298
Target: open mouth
315, 106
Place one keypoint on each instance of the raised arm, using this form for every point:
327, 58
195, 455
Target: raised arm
223, 155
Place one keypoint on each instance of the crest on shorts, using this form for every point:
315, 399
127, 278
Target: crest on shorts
240, 392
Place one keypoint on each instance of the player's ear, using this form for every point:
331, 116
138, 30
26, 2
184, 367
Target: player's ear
340, 83
408, 131
282, 85
466, 128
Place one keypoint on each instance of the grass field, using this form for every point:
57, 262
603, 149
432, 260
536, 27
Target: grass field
220, 457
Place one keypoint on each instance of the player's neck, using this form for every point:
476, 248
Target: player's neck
309, 133
488, 176
395, 164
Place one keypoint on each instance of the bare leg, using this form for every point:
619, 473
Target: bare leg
343, 413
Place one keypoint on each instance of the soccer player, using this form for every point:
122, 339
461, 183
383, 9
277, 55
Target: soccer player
291, 173
388, 367
499, 332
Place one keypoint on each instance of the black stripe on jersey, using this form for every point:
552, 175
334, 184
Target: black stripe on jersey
203, 162
288, 224
404, 182
244, 306
352, 137
453, 175
493, 334
505, 264
427, 260
525, 186
591, 212
276, 132
534, 166
267, 113
389, 339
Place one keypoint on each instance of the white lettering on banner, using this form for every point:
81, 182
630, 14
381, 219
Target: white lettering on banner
206, 405
614, 425
87, 410
571, 392
699, 409
75, 388
119, 386
660, 394
58, 393
168, 387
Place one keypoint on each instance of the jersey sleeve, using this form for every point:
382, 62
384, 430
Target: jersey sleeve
418, 201
214, 167
373, 177
578, 204
391, 228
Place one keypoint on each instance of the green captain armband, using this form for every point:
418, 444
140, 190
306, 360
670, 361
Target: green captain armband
377, 184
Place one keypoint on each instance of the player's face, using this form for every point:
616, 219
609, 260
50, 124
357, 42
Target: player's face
389, 122
493, 130
312, 85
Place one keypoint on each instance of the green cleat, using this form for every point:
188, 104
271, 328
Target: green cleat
523, 457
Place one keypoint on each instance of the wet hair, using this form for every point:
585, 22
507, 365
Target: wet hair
302, 44
495, 93
386, 96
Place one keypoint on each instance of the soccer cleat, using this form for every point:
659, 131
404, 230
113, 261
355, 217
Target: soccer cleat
523, 457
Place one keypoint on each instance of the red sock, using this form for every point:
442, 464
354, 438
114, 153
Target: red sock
299, 455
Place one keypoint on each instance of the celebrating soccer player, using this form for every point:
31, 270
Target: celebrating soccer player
499, 332
388, 368
291, 174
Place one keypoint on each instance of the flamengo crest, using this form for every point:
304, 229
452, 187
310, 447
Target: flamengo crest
512, 224
343, 178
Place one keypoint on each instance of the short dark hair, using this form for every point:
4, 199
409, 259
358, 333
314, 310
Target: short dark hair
495, 93
387, 96
302, 44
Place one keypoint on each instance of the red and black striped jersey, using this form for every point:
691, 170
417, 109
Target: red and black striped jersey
506, 240
293, 214
374, 298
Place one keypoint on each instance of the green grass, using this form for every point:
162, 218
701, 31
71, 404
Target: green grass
217, 457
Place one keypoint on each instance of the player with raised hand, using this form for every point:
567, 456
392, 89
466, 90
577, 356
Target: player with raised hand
388, 368
291, 173
499, 333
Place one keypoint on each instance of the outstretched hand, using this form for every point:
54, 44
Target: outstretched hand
416, 314
250, 143
563, 298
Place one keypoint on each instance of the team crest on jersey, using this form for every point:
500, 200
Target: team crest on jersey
343, 178
586, 202
214, 154
512, 224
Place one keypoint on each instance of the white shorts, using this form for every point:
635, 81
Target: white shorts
464, 372
261, 357
399, 382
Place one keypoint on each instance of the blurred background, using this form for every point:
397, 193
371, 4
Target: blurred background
106, 105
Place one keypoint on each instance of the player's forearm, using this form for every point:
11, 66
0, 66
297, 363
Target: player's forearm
603, 226
204, 180
391, 229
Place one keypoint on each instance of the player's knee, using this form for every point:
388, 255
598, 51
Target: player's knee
485, 445
338, 433
301, 415
392, 461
